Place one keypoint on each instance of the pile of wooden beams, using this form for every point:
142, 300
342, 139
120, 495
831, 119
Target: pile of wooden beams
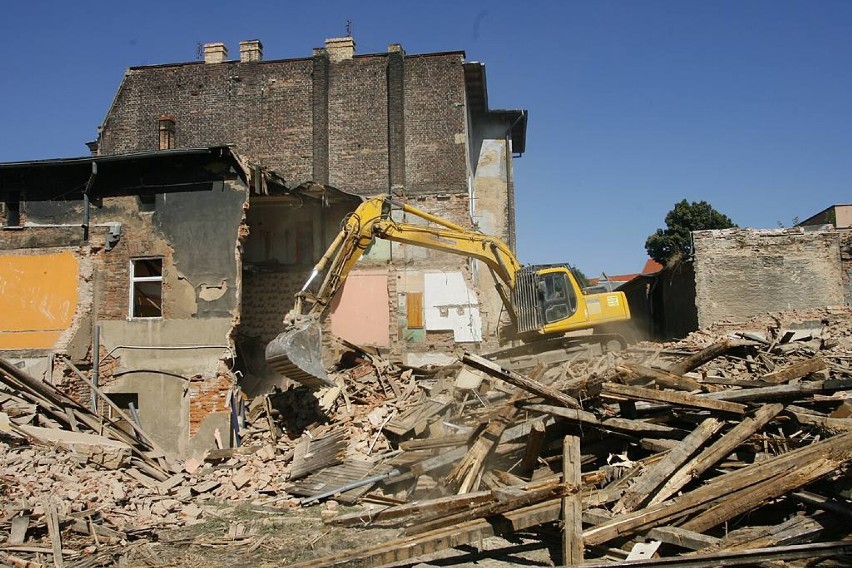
694, 452
731, 446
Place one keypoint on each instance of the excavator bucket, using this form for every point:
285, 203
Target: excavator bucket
297, 354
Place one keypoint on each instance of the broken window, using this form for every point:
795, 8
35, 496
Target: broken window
146, 288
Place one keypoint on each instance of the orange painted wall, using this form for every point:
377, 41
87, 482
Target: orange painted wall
38, 299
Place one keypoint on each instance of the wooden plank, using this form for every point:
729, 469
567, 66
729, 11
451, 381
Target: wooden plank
417, 414
448, 441
839, 447
615, 390
656, 475
465, 476
792, 531
52, 520
535, 441
562, 412
515, 432
572, 506
806, 418
745, 500
795, 371
519, 380
707, 354
495, 507
643, 428
664, 379
716, 452
679, 536
397, 515
780, 392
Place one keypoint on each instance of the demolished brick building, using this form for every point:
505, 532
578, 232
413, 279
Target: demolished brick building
236, 175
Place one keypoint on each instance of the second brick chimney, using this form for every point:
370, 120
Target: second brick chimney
251, 50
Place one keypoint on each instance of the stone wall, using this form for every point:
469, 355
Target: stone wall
743, 272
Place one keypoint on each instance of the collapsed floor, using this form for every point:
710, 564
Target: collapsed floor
732, 446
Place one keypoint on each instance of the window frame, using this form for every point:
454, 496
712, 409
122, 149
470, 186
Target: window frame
139, 279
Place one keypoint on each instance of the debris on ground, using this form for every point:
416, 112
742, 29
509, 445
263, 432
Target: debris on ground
732, 445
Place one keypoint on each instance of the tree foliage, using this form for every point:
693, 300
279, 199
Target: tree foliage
582, 281
675, 241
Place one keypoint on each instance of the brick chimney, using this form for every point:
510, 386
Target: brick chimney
215, 52
251, 50
167, 132
340, 48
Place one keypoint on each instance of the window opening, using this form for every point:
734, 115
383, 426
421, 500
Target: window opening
147, 202
128, 402
13, 210
146, 288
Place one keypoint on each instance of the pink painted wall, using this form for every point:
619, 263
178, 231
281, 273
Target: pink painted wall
360, 313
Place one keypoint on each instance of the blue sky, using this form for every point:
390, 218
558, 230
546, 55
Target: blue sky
633, 105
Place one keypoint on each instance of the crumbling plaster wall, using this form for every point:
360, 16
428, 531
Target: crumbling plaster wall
743, 272
197, 236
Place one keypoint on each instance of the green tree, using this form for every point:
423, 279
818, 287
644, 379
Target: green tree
674, 241
582, 281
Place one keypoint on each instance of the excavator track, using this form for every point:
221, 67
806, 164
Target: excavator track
553, 350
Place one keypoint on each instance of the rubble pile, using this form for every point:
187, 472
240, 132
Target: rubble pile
732, 445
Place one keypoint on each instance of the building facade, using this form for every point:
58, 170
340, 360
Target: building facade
299, 142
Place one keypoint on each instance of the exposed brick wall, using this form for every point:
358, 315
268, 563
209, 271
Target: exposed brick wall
357, 124
743, 272
267, 297
206, 396
268, 111
434, 117
264, 109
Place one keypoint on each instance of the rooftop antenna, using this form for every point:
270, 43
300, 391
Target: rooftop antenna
348, 28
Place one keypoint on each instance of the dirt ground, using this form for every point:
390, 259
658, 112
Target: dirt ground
283, 537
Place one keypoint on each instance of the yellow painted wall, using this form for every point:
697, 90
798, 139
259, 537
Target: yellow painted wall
38, 298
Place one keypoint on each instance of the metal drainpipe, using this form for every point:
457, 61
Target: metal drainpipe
86, 201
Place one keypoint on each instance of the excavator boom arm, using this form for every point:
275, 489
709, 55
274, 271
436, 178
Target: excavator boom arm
373, 219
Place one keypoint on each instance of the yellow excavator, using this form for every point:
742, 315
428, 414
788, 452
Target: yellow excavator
543, 302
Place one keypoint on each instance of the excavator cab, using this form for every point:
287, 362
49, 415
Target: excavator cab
548, 301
